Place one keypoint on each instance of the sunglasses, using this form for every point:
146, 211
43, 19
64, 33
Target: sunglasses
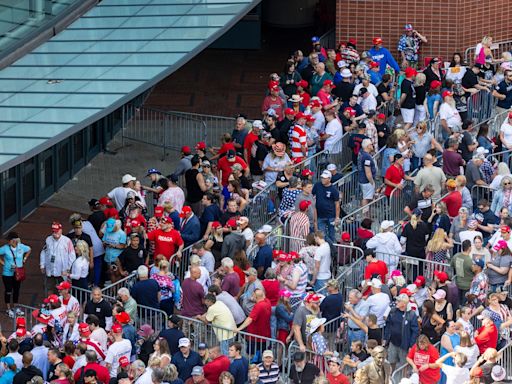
507, 183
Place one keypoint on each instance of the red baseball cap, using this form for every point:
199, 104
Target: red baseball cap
275, 253
273, 86
302, 83
123, 318
505, 228
510, 115
316, 103
310, 118
186, 209
134, 223
289, 111
231, 223
294, 255
409, 72
84, 329
165, 220
312, 298
216, 224
446, 93
21, 332
64, 285
381, 116
329, 83
374, 64
201, 146
21, 322
56, 226
297, 160
350, 110
377, 40
53, 299
159, 211
441, 275
105, 201
307, 172
304, 204
300, 115
435, 84
186, 150
420, 281
345, 236
405, 291
352, 41
117, 328
124, 362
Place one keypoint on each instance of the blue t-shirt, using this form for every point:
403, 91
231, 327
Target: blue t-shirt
145, 293
239, 368
386, 162
431, 100
210, 213
113, 238
326, 198
364, 159
263, 258
505, 89
9, 263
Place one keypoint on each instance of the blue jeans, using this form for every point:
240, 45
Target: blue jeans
224, 346
319, 284
506, 157
273, 323
98, 262
355, 336
325, 226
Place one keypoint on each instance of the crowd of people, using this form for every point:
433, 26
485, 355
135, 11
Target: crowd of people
190, 242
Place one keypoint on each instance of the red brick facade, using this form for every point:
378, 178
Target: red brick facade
450, 26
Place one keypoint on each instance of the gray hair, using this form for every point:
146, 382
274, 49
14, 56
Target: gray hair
270, 274
138, 364
142, 271
356, 293
227, 262
91, 356
123, 291
157, 375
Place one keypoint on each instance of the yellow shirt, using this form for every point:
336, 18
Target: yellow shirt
219, 315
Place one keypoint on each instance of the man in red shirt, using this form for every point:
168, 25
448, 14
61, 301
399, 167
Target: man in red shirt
334, 376
92, 363
167, 240
454, 200
487, 335
218, 364
251, 138
273, 101
395, 175
375, 266
225, 163
258, 321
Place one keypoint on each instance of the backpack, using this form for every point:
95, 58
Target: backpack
81, 378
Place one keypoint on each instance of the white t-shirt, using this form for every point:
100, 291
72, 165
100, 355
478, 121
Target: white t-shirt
115, 352
323, 255
118, 195
371, 88
335, 130
506, 128
467, 327
248, 235
100, 336
455, 375
369, 103
497, 237
469, 235
319, 124
17, 357
471, 353
378, 305
451, 115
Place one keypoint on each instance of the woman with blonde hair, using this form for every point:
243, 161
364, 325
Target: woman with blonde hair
404, 145
438, 248
501, 171
439, 217
226, 378
80, 267
459, 224
420, 113
423, 142
502, 197
469, 348
171, 374
483, 53
64, 375
467, 200
166, 284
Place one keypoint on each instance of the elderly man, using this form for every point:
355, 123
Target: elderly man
118, 194
193, 295
473, 174
302, 318
367, 171
219, 315
207, 258
251, 284
99, 307
233, 305
231, 280
219, 362
263, 259
57, 256
450, 117
409, 46
146, 291
269, 370
129, 304
301, 370
378, 302
190, 227
430, 175
400, 332
359, 309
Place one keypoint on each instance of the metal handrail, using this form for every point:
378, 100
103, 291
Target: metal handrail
500, 46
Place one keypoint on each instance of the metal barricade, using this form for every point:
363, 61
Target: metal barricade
349, 190
316, 163
505, 359
481, 106
127, 282
377, 210
479, 192
152, 316
405, 370
497, 49
263, 206
166, 130
179, 266
398, 199
377, 158
29, 319
498, 157
254, 345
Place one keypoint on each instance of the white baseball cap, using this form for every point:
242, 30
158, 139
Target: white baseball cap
127, 178
331, 167
342, 64
257, 124
326, 175
346, 73
376, 283
183, 342
387, 224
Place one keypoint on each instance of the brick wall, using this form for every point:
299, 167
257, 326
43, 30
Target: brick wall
450, 26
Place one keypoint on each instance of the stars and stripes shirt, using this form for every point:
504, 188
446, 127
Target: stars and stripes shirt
298, 141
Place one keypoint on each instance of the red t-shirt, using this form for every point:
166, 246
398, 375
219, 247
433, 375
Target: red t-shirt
128, 224
69, 361
166, 243
340, 379
214, 368
271, 290
453, 203
305, 98
324, 97
226, 147
111, 212
101, 372
379, 267
225, 165
277, 104
428, 376
487, 338
260, 316
250, 139
395, 175
240, 274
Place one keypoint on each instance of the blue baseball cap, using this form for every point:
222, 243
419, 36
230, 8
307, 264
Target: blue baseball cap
110, 224
152, 171
7, 360
315, 39
479, 262
408, 27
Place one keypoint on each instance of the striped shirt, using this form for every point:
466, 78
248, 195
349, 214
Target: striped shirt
269, 376
303, 279
298, 141
299, 227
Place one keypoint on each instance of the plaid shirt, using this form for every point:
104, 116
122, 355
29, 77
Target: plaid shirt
487, 171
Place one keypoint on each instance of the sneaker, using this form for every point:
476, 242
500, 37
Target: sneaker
10, 313
19, 312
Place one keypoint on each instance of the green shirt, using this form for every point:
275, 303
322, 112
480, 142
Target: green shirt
461, 264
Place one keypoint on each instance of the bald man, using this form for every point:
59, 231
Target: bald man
258, 321
430, 175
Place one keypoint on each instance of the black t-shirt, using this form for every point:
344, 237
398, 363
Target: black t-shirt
416, 239
84, 236
284, 129
228, 215
382, 88
258, 153
408, 89
505, 88
384, 129
194, 192
418, 201
466, 141
101, 309
131, 258
283, 179
345, 122
344, 91
307, 376
469, 80
354, 142
96, 219
421, 92
276, 133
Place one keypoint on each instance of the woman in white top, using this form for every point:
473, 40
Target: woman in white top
243, 224
468, 348
162, 352
80, 267
70, 332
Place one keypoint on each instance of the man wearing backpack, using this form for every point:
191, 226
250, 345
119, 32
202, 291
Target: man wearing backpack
400, 332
